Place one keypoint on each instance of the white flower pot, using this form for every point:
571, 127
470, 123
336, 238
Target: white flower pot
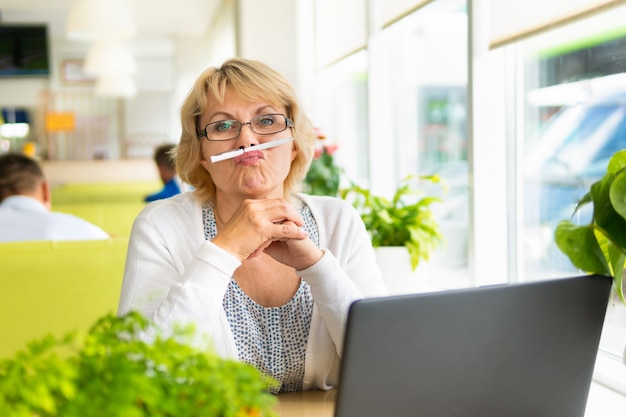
395, 265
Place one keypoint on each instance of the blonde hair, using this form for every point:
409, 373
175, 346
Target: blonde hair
254, 81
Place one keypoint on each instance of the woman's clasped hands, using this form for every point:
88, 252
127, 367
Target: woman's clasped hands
271, 226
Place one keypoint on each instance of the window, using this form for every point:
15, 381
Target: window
541, 132
341, 114
418, 114
572, 118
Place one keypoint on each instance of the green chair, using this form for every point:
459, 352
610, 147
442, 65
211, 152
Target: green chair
57, 287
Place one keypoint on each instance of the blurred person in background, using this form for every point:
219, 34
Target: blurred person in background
25, 206
167, 172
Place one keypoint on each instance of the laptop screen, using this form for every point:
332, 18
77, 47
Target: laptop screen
512, 350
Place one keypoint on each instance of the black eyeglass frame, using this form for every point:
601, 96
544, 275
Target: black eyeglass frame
202, 133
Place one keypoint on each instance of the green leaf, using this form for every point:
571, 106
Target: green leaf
405, 220
323, 176
617, 193
610, 221
116, 373
600, 247
586, 199
617, 162
580, 245
617, 259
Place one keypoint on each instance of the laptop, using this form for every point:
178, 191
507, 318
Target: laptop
525, 349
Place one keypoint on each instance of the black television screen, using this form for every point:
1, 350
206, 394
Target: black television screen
24, 50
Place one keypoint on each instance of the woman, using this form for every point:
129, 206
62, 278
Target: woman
266, 273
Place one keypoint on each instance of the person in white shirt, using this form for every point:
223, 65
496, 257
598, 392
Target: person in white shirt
25, 206
264, 273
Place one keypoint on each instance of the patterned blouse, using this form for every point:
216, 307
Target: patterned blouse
274, 339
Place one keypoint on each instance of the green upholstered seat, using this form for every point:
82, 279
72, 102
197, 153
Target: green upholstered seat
112, 206
103, 192
114, 218
57, 287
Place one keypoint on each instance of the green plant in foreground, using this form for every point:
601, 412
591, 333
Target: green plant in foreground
600, 246
112, 372
405, 220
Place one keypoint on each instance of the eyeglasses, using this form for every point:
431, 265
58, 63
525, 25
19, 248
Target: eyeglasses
265, 124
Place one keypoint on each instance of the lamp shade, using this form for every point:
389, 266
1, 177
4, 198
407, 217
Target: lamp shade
109, 57
91, 20
116, 85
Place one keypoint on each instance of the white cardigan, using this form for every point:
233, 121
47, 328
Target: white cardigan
174, 276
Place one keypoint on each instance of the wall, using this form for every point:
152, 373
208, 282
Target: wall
283, 39
142, 122
166, 70
21, 92
129, 170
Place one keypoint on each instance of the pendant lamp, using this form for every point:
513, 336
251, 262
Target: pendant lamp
91, 20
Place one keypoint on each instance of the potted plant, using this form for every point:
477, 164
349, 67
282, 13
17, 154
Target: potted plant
405, 222
324, 175
600, 246
113, 372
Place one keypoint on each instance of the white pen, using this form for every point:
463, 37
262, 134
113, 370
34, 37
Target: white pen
236, 152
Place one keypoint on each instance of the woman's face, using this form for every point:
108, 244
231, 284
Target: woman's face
254, 174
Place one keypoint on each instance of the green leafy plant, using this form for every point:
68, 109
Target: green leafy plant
600, 246
112, 372
404, 220
324, 175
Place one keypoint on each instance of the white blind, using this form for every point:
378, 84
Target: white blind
340, 28
512, 20
388, 11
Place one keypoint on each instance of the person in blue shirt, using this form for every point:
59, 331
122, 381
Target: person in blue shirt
167, 172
